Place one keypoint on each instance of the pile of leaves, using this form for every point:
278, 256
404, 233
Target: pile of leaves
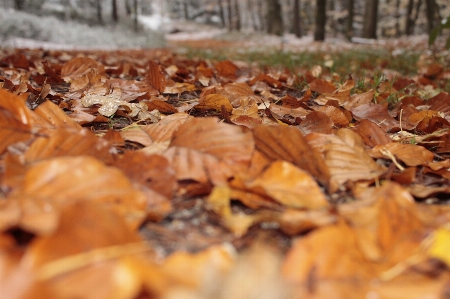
141, 174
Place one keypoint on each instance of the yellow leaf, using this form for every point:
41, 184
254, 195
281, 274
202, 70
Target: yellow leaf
441, 245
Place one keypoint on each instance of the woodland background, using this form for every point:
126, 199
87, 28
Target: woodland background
115, 19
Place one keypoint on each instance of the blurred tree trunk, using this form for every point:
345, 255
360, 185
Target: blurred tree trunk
19, 4
411, 16
98, 4
221, 13
371, 19
297, 20
397, 18
237, 16
274, 18
320, 20
136, 23
350, 17
115, 15
262, 23
431, 9
185, 5
230, 16
128, 7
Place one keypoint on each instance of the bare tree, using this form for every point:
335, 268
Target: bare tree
431, 9
274, 19
19, 4
115, 15
320, 20
297, 26
350, 17
411, 16
237, 16
371, 19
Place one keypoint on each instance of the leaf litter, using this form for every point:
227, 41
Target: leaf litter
149, 175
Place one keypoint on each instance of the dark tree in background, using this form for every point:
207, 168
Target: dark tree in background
274, 19
350, 17
115, 15
431, 10
297, 20
320, 20
411, 16
371, 19
19, 4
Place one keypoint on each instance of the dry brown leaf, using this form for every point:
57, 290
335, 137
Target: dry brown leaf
385, 220
322, 86
15, 120
63, 262
345, 156
316, 122
66, 180
80, 66
290, 186
227, 69
155, 76
68, 142
359, 99
287, 143
247, 107
410, 154
227, 142
214, 101
337, 116
131, 89
371, 134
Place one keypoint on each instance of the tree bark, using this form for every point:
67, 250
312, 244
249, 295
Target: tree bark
136, 6
274, 18
237, 16
371, 19
221, 13
115, 15
350, 17
431, 13
19, 4
297, 20
99, 11
320, 20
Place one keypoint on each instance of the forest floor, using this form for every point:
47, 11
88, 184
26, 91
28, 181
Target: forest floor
226, 166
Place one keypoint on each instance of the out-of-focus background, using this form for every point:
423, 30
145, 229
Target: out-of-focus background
111, 24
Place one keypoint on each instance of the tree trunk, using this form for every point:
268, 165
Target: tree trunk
230, 16
371, 19
221, 13
397, 18
136, 6
237, 16
412, 16
99, 11
320, 20
431, 13
297, 20
115, 15
19, 4
350, 17
274, 18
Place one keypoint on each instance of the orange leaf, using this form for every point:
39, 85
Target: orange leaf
15, 120
410, 154
288, 143
155, 76
289, 186
226, 142
214, 101
345, 156
80, 66
227, 69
